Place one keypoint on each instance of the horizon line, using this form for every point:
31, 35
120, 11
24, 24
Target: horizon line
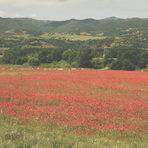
113, 17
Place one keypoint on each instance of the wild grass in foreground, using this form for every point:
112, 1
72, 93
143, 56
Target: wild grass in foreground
15, 135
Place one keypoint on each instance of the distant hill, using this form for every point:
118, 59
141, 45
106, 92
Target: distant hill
109, 26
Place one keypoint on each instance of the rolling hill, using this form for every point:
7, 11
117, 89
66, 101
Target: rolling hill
109, 26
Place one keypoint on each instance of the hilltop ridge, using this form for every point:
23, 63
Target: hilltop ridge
108, 26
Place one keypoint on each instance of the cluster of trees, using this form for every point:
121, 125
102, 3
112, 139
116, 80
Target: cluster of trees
128, 59
86, 54
85, 57
20, 51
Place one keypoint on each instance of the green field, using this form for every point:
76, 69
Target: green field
72, 36
14, 135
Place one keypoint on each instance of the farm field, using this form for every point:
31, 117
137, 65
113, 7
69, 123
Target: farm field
73, 37
73, 108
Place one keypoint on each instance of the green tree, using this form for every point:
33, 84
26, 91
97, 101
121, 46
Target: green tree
97, 63
43, 56
131, 55
143, 60
21, 60
69, 55
124, 64
34, 61
9, 57
84, 57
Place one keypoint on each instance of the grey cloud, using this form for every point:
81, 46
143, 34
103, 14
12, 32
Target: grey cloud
66, 9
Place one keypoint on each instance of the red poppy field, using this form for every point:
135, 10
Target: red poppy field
82, 102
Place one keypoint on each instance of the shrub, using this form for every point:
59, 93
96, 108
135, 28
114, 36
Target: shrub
34, 62
97, 63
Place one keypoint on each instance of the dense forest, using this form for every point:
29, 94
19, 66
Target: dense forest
112, 43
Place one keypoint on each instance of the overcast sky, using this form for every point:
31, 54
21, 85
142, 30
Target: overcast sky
78, 9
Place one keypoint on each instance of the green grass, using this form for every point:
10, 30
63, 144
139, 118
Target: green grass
54, 65
3, 49
73, 37
15, 135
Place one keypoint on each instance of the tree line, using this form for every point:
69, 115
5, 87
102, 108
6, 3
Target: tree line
86, 54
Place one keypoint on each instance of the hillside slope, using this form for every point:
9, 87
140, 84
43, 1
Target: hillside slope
109, 26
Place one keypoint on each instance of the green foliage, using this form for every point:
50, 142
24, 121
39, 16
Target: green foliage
21, 60
126, 59
60, 64
13, 57
108, 61
18, 25
112, 53
131, 55
143, 62
1, 60
109, 26
97, 63
69, 55
84, 57
9, 57
43, 56
15, 135
34, 62
122, 65
1, 52
117, 43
